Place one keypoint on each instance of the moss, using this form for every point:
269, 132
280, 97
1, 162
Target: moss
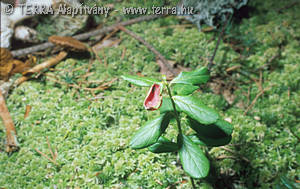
92, 136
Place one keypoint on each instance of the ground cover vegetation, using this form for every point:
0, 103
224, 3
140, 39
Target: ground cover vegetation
254, 84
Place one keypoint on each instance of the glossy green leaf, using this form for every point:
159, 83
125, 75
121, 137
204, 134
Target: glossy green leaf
150, 132
198, 76
194, 108
196, 140
225, 126
193, 159
217, 134
163, 145
167, 106
183, 89
140, 81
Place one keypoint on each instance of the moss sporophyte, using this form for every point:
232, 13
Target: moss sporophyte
210, 129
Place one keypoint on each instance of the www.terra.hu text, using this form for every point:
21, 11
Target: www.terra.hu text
159, 10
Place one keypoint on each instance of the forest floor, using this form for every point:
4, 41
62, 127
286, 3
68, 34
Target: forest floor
255, 84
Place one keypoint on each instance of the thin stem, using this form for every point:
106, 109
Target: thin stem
178, 122
193, 183
175, 111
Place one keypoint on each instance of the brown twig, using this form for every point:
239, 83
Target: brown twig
254, 100
288, 6
50, 149
53, 154
11, 134
105, 38
27, 111
151, 48
123, 53
261, 89
84, 36
210, 64
47, 64
53, 161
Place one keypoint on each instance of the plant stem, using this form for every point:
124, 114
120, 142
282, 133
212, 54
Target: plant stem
175, 111
193, 183
178, 122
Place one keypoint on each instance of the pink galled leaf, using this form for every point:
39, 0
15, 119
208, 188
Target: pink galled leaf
154, 99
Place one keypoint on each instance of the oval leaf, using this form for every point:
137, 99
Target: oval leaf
198, 76
140, 81
193, 159
183, 89
166, 106
163, 145
194, 108
196, 140
217, 134
149, 134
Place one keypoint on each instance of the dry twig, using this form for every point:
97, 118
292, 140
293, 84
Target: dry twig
53, 154
11, 134
84, 36
210, 64
47, 64
151, 48
27, 111
287, 6
261, 89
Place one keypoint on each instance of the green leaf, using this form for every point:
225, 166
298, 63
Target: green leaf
183, 89
163, 145
194, 108
140, 81
150, 132
166, 105
193, 159
196, 140
196, 77
217, 134
225, 126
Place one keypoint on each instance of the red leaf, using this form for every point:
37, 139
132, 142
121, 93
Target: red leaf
154, 99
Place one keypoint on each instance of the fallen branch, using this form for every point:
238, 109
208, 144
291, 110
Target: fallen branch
84, 36
151, 48
47, 64
11, 134
210, 64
